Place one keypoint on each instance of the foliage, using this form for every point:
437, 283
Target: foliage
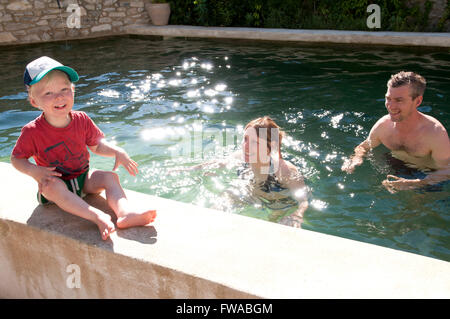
396, 15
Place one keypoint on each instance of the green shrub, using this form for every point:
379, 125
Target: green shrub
396, 15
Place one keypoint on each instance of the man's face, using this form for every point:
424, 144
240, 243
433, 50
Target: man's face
400, 104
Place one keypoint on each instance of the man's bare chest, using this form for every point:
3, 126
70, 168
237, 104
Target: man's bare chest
412, 144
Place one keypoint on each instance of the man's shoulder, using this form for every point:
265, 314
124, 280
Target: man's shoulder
383, 124
431, 122
384, 120
432, 128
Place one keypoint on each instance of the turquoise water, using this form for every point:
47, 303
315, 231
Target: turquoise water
175, 103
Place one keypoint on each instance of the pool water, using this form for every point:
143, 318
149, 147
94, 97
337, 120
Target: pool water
176, 103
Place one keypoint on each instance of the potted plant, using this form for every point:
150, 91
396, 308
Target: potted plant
158, 11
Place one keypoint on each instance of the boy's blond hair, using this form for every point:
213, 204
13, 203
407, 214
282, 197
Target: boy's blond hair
46, 79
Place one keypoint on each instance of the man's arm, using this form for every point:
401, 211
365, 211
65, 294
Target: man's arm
107, 149
362, 149
357, 158
440, 154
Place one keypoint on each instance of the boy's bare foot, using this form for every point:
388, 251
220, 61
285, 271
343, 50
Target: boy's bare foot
136, 219
105, 226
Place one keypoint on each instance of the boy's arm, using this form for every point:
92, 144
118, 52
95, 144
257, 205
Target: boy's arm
362, 149
39, 173
107, 149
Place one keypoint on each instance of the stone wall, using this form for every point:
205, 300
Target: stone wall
27, 21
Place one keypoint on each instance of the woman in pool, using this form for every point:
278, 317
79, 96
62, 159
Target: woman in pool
272, 178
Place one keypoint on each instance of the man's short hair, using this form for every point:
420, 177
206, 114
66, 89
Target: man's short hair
416, 82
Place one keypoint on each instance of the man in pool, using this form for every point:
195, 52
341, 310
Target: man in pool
58, 141
417, 139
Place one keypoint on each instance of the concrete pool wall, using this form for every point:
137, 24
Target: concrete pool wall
192, 252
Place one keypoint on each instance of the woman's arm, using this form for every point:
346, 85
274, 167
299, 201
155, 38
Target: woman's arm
294, 181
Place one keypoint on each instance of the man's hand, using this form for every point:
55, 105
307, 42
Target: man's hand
350, 164
400, 184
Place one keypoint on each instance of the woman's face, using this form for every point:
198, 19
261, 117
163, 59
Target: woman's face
254, 148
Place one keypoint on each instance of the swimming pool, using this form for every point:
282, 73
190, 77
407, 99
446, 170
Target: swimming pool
175, 103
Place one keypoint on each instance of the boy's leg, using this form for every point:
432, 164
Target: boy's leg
98, 180
57, 192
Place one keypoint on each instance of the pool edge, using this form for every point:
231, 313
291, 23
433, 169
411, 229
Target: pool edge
427, 39
194, 252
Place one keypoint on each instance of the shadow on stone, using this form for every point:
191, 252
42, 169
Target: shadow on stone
53, 219
142, 234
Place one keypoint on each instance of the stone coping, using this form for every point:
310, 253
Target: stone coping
193, 252
297, 35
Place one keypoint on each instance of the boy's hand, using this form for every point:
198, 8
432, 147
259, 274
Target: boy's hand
123, 159
44, 175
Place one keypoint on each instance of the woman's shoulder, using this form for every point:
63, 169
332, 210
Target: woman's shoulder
287, 167
289, 173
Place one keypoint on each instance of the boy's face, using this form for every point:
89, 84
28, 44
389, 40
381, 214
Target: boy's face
54, 95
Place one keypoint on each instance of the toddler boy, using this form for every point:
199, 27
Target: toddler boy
57, 141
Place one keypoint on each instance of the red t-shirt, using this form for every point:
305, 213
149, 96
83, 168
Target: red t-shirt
63, 148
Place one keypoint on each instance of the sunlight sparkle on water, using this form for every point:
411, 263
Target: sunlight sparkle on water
193, 93
160, 133
156, 76
109, 93
318, 204
210, 92
207, 66
313, 154
208, 109
228, 100
220, 87
336, 119
175, 82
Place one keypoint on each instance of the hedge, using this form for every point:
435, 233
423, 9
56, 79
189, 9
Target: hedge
396, 15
